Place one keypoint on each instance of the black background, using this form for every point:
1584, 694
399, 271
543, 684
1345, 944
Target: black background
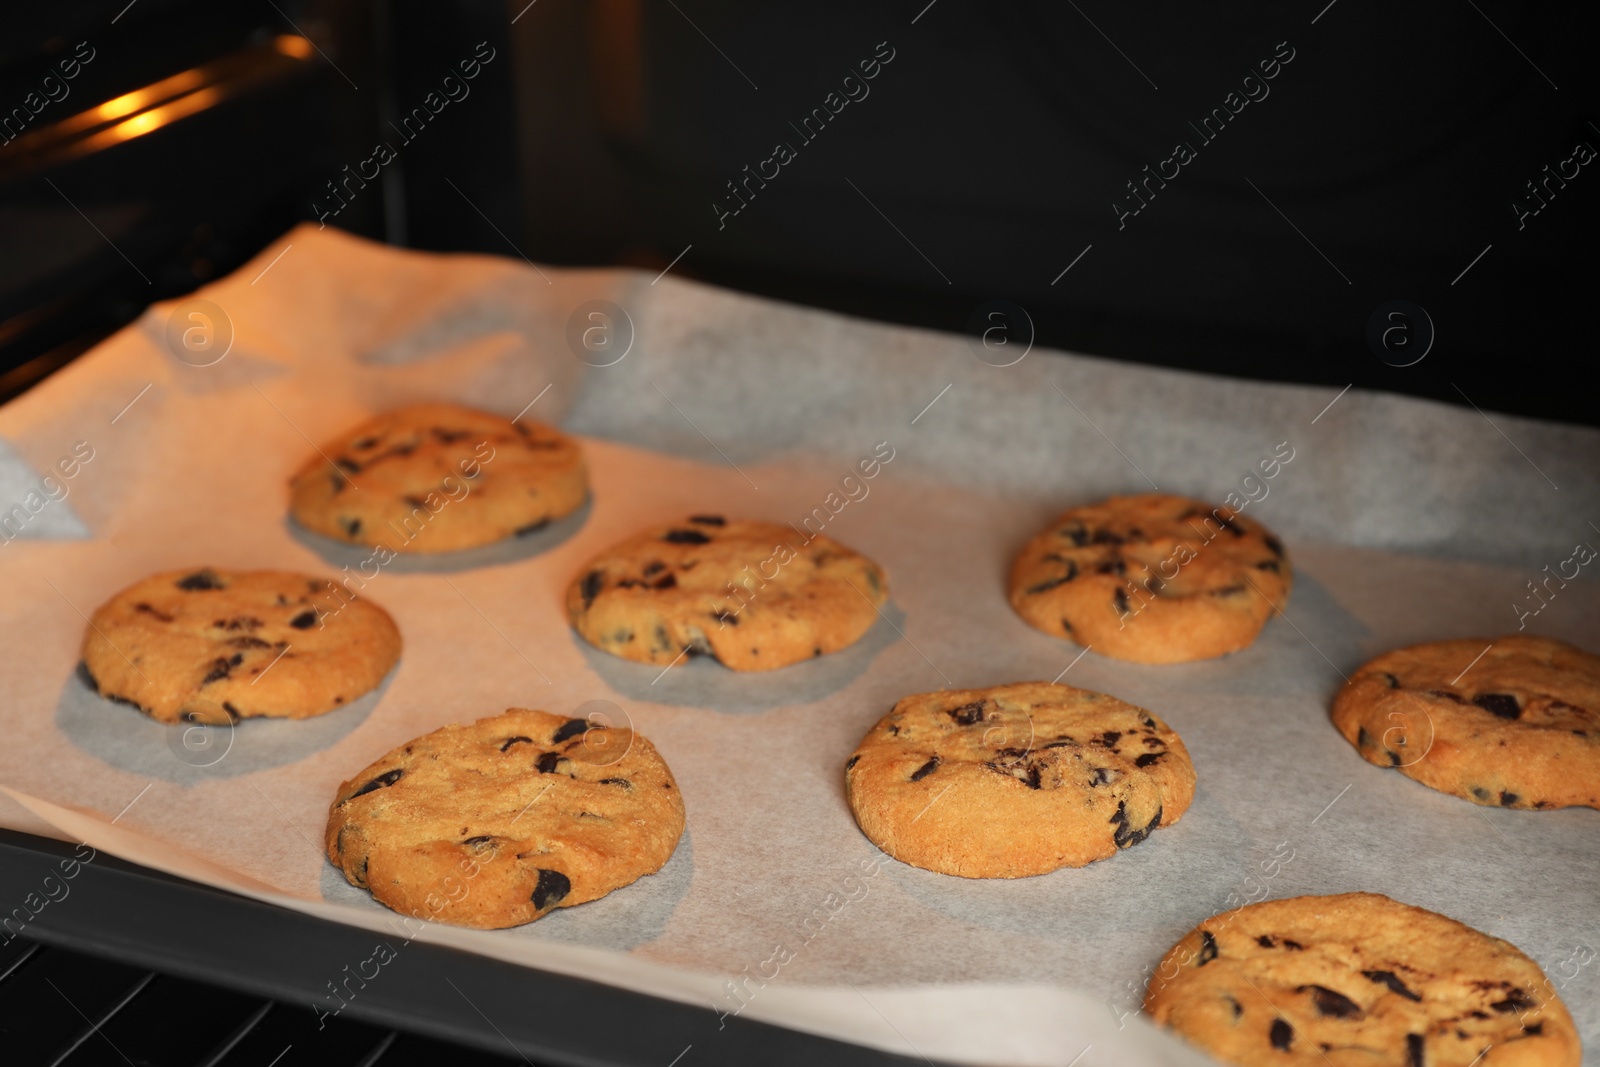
986, 158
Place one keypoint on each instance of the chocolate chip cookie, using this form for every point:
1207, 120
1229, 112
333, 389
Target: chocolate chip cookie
1511, 723
755, 595
499, 822
207, 645
1358, 979
437, 478
1016, 780
1152, 578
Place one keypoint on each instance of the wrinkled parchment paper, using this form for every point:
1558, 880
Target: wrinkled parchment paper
1407, 521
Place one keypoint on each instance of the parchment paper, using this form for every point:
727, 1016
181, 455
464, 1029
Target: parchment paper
1407, 521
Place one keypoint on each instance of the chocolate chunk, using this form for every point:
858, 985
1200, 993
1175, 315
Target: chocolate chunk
727, 618
1481, 793
1414, 1050
591, 586
653, 568
667, 581
148, 610
1394, 683
115, 699
1500, 705
347, 465
1110, 738
967, 714
1102, 775
416, 502
1394, 758
1508, 799
479, 841
515, 741
553, 888
623, 782
548, 762
450, 437
685, 537
1395, 984
304, 621
220, 668
1033, 780
570, 729
1445, 694
365, 442
1282, 1036
1112, 566
1533, 1029
388, 778
1148, 758
1265, 941
852, 761
248, 642
1051, 583
1125, 836
234, 714
1269, 565
1154, 585
1227, 590
709, 520
1208, 949
1331, 1002
1292, 946
1363, 739
200, 581
351, 526
926, 769
531, 528
1274, 545
1229, 525
1076, 533
1238, 1009
1105, 537
1119, 600
1154, 742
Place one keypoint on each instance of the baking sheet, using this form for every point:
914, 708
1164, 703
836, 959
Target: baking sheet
1407, 521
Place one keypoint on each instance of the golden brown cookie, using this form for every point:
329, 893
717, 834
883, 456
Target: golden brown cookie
437, 478
198, 645
498, 822
1152, 578
1358, 980
1511, 723
1015, 780
755, 595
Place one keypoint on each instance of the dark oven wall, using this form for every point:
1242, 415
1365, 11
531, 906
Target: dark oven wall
1340, 157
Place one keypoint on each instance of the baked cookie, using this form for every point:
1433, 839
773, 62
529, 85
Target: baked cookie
437, 478
755, 595
1152, 578
207, 645
498, 822
1358, 980
1015, 780
1516, 726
